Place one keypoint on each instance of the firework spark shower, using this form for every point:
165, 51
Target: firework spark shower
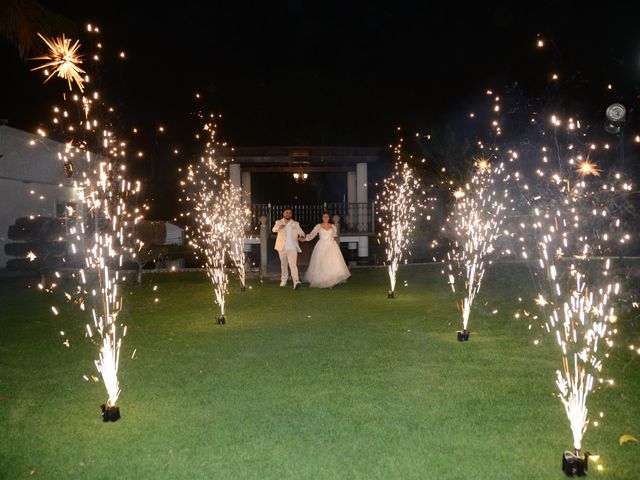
475, 222
399, 203
578, 226
236, 220
211, 197
101, 219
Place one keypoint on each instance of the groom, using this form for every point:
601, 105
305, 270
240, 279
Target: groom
289, 233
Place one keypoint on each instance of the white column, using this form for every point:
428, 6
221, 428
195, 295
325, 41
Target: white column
362, 196
361, 183
235, 175
351, 200
246, 188
351, 187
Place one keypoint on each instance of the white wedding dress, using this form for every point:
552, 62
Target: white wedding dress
327, 266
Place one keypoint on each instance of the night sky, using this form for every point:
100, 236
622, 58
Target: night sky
328, 73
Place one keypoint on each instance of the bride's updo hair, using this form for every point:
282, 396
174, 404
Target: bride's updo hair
327, 213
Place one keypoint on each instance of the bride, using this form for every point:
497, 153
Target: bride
327, 267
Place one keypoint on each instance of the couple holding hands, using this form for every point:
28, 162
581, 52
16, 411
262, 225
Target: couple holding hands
327, 266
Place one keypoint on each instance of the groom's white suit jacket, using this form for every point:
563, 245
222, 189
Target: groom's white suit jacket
295, 231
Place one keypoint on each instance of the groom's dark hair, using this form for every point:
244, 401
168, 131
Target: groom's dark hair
287, 208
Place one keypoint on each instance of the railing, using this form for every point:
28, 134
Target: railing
354, 217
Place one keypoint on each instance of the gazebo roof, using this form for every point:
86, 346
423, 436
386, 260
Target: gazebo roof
350, 154
313, 159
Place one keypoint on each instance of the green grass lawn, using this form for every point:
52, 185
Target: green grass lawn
339, 383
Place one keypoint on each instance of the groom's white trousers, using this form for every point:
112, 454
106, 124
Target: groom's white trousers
290, 258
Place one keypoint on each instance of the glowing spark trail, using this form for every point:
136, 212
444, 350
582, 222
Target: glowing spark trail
63, 59
105, 220
100, 221
475, 222
576, 223
207, 189
578, 316
237, 219
399, 204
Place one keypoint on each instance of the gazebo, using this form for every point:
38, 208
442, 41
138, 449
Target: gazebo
279, 169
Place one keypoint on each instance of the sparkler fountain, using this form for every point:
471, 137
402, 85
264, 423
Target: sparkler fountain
102, 193
93, 161
577, 223
236, 221
208, 191
399, 203
475, 221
